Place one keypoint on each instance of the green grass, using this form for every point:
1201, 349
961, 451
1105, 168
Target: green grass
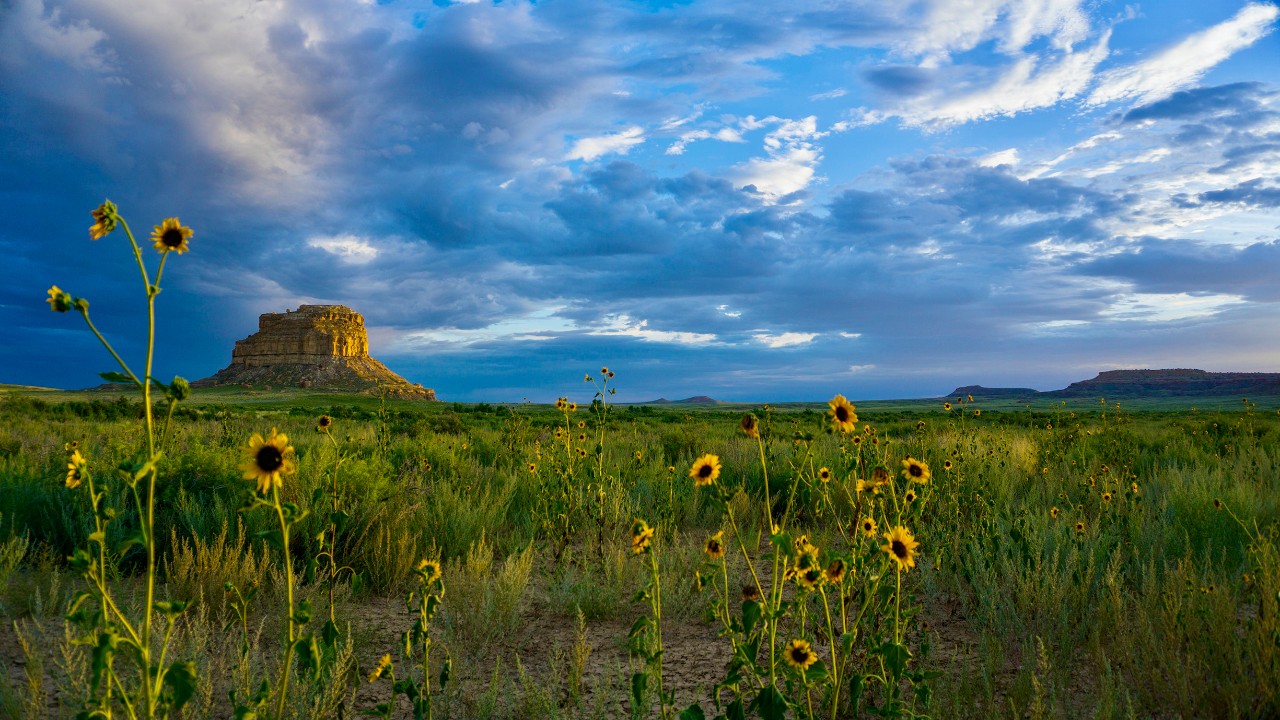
1146, 612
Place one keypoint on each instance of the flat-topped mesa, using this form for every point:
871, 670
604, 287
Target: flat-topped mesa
312, 334
324, 347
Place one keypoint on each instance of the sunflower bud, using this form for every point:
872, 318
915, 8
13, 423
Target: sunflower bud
179, 389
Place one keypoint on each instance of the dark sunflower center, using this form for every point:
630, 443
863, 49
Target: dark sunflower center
171, 238
899, 549
269, 458
915, 470
713, 547
842, 414
799, 655
704, 470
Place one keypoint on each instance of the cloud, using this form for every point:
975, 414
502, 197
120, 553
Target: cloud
619, 143
791, 160
1182, 64
624, 326
787, 339
348, 248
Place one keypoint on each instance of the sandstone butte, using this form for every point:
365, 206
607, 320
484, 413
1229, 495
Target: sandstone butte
324, 347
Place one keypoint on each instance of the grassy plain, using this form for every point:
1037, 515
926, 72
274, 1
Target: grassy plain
1075, 560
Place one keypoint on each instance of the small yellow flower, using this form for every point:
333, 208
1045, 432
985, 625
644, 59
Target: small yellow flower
641, 536
76, 470
266, 460
104, 220
915, 471
171, 235
869, 526
910, 497
901, 547
533, 467
59, 300
705, 470
639, 455
604, 371
824, 474
715, 546
799, 654
381, 668
946, 406
842, 414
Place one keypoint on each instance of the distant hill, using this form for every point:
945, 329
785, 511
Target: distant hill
1145, 383
978, 391
695, 400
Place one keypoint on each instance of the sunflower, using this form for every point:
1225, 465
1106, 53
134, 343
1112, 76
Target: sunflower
915, 471
429, 570
750, 593
104, 220
383, 665
946, 464
75, 470
749, 425
562, 403
715, 546
919, 424
970, 398
946, 406
582, 424
59, 300
857, 439
1106, 497
641, 535
869, 526
836, 571
582, 437
800, 654
1079, 526
705, 470
811, 578
639, 455
880, 475
1134, 487
842, 414
910, 497
901, 547
267, 460
977, 413
1053, 511
171, 235
533, 467
604, 371
582, 452
573, 407
324, 422
824, 474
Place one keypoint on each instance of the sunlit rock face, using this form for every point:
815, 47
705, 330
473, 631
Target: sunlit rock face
315, 346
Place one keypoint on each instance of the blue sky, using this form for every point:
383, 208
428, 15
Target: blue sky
753, 201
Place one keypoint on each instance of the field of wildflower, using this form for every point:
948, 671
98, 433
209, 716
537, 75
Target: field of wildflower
164, 554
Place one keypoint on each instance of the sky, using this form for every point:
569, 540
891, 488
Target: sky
762, 201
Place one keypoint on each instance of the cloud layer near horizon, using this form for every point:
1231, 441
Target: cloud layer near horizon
779, 204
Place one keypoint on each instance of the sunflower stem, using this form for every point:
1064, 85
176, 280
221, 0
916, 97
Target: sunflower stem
288, 576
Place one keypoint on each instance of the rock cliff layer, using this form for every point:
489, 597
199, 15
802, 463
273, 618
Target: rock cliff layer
316, 346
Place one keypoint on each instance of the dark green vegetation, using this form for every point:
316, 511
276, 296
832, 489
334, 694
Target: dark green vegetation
1160, 604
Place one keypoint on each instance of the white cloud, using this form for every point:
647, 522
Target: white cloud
791, 160
1183, 64
861, 368
1166, 307
947, 26
830, 94
786, 339
724, 134
851, 336
1008, 156
590, 148
623, 325
351, 249
73, 42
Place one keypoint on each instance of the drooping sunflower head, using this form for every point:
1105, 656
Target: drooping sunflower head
842, 414
104, 220
749, 425
715, 546
641, 536
76, 470
880, 475
824, 474
323, 423
915, 470
836, 571
170, 235
901, 547
60, 300
705, 470
750, 593
799, 654
919, 424
381, 668
268, 460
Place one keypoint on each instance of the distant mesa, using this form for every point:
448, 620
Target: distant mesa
695, 400
1146, 383
323, 347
